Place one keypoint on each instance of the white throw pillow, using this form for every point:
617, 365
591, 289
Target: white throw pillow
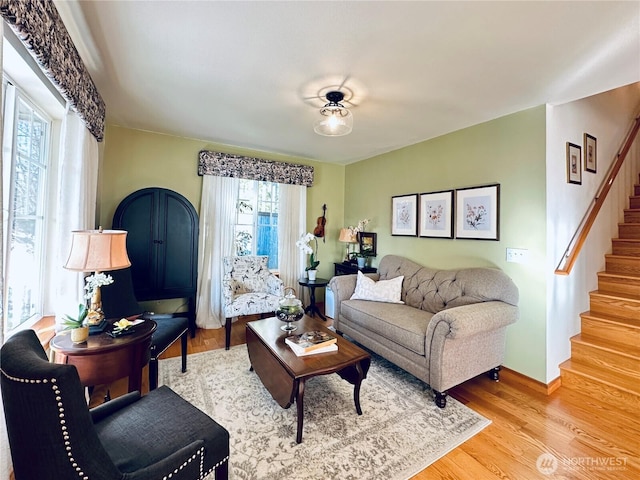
382, 291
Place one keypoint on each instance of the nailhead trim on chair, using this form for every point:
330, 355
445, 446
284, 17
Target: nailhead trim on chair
63, 427
213, 469
200, 453
67, 438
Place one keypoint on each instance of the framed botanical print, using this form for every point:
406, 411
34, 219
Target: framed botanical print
436, 214
590, 153
478, 212
574, 164
404, 215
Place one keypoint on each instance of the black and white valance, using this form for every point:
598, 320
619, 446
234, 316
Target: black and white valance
39, 26
228, 165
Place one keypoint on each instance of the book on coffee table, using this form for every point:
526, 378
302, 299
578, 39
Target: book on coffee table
310, 341
302, 353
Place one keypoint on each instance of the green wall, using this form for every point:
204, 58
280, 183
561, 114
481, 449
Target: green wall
135, 159
509, 151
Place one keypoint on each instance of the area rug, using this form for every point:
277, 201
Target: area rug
400, 432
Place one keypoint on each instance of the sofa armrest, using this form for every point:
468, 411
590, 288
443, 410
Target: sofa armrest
343, 286
472, 319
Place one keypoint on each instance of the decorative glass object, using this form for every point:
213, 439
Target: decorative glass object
290, 310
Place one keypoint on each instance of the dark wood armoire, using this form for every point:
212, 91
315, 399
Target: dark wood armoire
162, 244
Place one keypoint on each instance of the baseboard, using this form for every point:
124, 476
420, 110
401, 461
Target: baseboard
511, 376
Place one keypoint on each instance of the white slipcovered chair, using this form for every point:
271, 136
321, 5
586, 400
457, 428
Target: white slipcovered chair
248, 288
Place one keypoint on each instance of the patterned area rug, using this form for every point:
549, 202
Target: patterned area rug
400, 432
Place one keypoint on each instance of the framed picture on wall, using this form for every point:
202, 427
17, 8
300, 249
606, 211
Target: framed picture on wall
590, 153
436, 214
404, 215
478, 212
367, 241
574, 164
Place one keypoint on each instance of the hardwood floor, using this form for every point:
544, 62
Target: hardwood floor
582, 437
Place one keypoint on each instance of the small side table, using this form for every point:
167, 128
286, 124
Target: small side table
312, 309
351, 268
103, 359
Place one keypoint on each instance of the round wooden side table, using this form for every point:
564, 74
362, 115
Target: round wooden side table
312, 309
103, 359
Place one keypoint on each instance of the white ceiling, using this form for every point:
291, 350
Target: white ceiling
249, 73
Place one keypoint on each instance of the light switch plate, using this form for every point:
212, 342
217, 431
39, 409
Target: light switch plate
517, 255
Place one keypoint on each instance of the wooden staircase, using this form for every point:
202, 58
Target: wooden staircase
605, 356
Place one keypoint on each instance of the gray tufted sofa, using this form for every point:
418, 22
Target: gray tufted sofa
451, 327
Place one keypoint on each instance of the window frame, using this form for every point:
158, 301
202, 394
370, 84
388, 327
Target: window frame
255, 201
44, 303
17, 101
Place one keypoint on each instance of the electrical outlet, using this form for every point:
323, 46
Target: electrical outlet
517, 255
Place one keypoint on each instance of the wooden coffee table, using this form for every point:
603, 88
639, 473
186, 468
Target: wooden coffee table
284, 374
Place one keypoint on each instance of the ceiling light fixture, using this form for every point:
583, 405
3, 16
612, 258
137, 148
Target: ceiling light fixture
336, 120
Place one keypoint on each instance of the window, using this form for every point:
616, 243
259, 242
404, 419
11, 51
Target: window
256, 229
26, 158
32, 111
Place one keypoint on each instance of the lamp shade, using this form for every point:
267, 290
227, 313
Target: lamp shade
335, 120
98, 251
347, 236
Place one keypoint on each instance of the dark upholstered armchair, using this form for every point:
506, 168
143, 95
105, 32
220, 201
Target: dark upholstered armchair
54, 435
119, 301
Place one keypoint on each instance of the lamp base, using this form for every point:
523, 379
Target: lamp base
98, 328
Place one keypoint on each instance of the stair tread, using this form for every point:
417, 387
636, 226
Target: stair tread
622, 257
618, 282
632, 240
611, 378
620, 275
609, 345
627, 322
621, 296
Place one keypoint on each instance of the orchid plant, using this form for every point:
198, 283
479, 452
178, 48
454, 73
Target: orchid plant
304, 245
359, 227
362, 224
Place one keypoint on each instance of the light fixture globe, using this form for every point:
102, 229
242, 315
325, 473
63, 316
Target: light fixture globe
336, 119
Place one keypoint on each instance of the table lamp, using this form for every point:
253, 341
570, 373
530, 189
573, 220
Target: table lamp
97, 251
347, 236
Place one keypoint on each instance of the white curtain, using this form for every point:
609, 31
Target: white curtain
291, 225
217, 218
76, 208
2, 206
5, 454
74, 204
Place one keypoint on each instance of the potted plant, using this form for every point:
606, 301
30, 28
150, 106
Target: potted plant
303, 244
79, 328
361, 258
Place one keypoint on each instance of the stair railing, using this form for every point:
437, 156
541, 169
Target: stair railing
579, 238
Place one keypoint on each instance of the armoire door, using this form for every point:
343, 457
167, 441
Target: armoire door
162, 243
